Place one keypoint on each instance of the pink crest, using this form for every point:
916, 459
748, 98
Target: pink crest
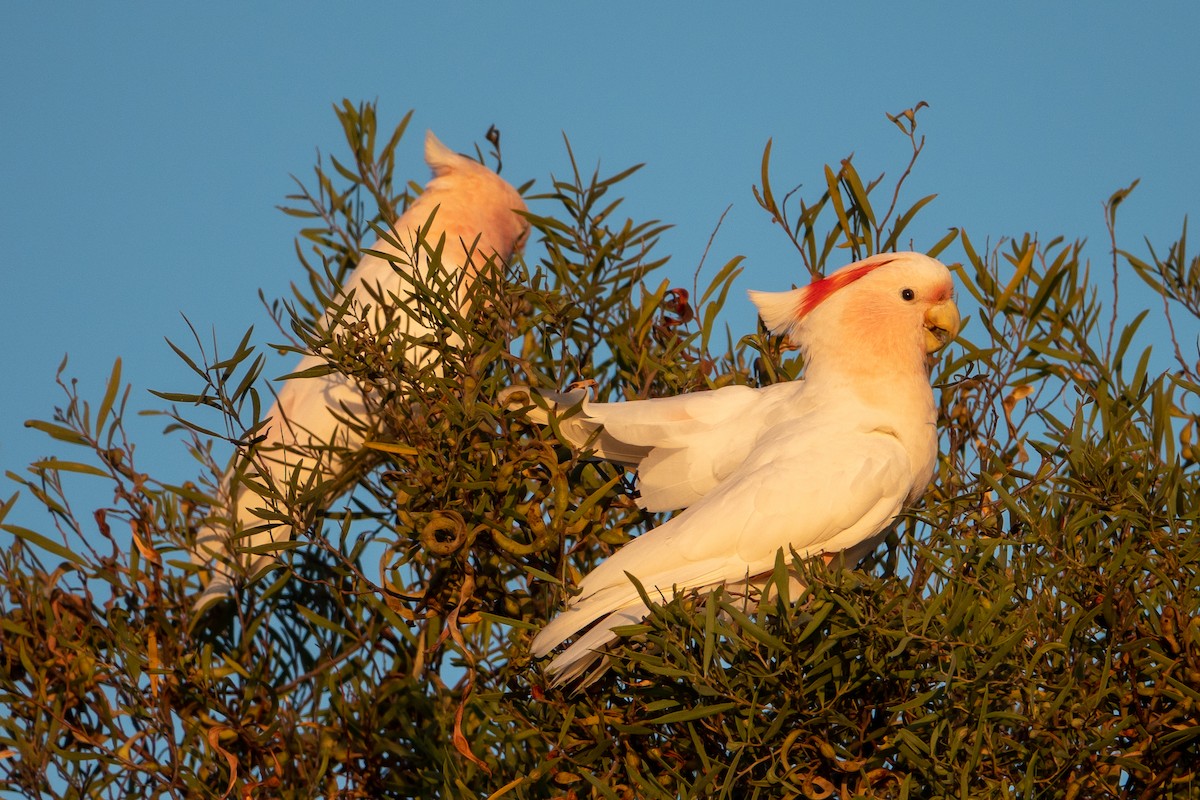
817, 291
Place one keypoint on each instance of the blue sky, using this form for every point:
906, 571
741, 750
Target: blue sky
144, 147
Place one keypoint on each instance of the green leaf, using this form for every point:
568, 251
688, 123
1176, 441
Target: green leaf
48, 545
692, 714
1023, 267
59, 432
110, 396
322, 622
55, 465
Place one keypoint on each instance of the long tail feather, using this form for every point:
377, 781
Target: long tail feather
586, 651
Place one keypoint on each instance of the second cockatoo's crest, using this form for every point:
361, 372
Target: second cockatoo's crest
443, 161
783, 312
467, 200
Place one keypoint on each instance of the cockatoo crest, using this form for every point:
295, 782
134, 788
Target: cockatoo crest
481, 206
783, 312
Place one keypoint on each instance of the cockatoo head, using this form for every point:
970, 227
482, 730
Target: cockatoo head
471, 201
902, 302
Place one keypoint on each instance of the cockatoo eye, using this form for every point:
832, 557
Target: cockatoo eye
907, 295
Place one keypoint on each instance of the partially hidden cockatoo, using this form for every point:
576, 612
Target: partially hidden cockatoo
475, 216
821, 465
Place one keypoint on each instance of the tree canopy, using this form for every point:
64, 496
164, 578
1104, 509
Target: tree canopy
1030, 629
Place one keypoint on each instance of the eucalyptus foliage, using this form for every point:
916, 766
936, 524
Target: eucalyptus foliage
1032, 629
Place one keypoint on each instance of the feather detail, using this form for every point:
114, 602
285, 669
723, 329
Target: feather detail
780, 311
441, 159
584, 653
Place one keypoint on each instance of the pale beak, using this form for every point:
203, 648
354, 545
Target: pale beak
941, 325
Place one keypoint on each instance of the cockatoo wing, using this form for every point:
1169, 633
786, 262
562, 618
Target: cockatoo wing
682, 446
811, 489
693, 444
309, 416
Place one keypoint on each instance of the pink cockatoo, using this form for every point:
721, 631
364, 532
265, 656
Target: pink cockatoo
821, 465
474, 216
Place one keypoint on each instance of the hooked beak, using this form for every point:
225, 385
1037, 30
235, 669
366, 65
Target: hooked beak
941, 325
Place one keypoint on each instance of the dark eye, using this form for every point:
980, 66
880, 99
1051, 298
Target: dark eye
907, 294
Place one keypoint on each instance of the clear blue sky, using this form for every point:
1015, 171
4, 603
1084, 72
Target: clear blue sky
144, 147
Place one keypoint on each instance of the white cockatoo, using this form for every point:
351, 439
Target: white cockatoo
473, 215
821, 465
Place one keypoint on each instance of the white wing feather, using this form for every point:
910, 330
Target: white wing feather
682, 446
